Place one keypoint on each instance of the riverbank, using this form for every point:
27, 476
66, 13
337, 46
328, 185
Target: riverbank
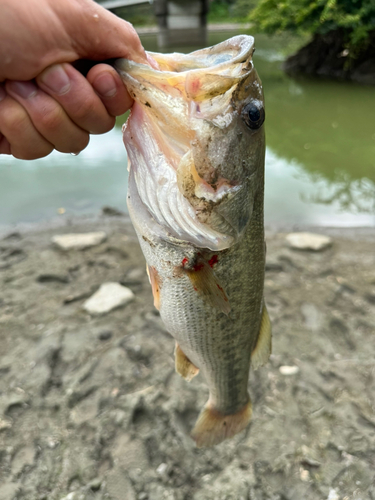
91, 407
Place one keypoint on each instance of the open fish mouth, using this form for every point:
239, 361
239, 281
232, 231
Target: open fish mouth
196, 76
182, 108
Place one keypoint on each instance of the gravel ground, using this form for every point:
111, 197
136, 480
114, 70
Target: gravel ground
91, 407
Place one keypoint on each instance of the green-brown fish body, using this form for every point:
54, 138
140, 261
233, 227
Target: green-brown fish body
196, 146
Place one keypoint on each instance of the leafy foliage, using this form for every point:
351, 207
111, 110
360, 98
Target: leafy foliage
354, 18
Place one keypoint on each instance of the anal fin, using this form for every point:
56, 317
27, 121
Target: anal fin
212, 427
262, 350
184, 366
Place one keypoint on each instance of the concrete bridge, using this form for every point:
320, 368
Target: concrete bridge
180, 22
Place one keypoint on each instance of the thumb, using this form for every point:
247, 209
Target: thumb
98, 34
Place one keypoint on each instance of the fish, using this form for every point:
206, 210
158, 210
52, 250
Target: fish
196, 147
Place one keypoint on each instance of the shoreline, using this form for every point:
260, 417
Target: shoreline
92, 220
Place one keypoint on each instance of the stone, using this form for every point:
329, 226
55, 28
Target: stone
308, 241
24, 457
53, 278
130, 453
333, 495
109, 296
8, 491
74, 495
5, 424
78, 241
105, 335
313, 318
288, 370
112, 212
119, 486
370, 297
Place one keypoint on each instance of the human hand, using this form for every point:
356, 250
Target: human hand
60, 107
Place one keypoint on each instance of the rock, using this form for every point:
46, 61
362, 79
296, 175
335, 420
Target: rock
74, 495
77, 296
25, 456
231, 484
130, 454
53, 278
133, 277
288, 370
370, 297
13, 236
8, 491
5, 424
78, 241
8, 401
333, 495
274, 266
118, 486
308, 241
109, 296
313, 318
105, 335
112, 212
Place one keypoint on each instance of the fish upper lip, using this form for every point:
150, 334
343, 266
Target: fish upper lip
243, 43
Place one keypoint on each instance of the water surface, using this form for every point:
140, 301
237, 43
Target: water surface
320, 164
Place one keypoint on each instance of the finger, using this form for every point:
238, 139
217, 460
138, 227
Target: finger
99, 34
48, 117
77, 97
24, 141
4, 146
108, 85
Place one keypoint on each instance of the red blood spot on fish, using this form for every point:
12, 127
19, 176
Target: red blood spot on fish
214, 259
185, 260
222, 291
199, 266
195, 84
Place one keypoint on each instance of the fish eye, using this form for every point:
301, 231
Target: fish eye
253, 114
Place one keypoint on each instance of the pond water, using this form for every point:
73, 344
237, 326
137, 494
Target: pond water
320, 164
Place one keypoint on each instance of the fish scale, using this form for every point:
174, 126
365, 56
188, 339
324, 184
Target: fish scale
206, 253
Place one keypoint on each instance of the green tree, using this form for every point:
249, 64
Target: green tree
354, 20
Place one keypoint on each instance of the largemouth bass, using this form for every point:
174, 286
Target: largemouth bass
196, 146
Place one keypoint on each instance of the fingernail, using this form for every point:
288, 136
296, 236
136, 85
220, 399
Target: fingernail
56, 79
26, 90
105, 85
3, 94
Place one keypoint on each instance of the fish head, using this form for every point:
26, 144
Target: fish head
195, 140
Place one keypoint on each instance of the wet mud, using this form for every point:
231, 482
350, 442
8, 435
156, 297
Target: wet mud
91, 407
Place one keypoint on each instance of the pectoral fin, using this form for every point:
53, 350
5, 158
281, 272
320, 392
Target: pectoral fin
207, 285
263, 347
155, 285
184, 366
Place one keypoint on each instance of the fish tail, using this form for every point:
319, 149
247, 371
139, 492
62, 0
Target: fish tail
213, 427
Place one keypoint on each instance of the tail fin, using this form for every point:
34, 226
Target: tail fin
212, 427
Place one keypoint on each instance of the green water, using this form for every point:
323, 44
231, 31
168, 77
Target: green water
320, 165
